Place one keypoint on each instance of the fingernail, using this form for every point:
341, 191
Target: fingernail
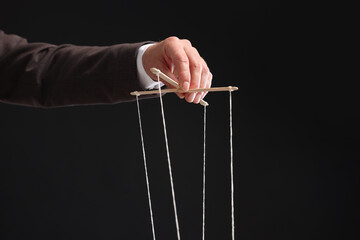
197, 99
185, 86
192, 97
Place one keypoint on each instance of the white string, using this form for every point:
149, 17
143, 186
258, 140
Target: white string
204, 167
231, 168
204, 176
146, 171
168, 158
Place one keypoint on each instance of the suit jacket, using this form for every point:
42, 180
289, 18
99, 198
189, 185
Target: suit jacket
46, 75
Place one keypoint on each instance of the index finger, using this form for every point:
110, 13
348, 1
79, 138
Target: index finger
176, 53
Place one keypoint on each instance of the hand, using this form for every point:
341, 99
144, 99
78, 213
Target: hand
180, 61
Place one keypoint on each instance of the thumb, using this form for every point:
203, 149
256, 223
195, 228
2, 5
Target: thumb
172, 76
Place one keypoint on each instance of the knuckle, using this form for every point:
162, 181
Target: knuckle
197, 66
182, 59
171, 42
172, 39
186, 42
206, 69
196, 51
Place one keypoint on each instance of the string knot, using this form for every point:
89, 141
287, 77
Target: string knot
155, 71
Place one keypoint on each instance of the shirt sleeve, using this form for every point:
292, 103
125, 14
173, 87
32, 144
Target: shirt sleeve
46, 75
146, 81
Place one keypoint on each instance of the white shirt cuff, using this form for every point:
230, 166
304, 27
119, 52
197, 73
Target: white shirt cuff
145, 80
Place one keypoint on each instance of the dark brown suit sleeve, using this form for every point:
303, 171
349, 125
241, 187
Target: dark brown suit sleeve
45, 75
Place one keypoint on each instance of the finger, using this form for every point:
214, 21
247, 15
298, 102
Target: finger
180, 95
203, 83
208, 83
196, 67
175, 52
170, 74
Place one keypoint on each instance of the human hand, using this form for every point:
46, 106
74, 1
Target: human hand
179, 60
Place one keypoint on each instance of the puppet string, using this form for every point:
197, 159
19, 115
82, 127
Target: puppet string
145, 167
168, 158
204, 176
231, 168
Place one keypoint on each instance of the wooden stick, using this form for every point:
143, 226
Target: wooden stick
177, 88
164, 77
173, 83
174, 90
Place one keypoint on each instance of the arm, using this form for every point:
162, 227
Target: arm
41, 74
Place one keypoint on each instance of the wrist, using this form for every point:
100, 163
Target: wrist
145, 80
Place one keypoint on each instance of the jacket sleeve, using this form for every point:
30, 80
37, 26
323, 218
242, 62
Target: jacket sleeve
45, 75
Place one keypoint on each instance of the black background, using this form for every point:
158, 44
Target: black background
77, 172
